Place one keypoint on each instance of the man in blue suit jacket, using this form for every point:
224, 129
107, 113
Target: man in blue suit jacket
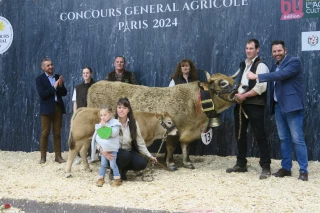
50, 88
288, 102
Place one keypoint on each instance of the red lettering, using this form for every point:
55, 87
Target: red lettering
297, 8
285, 7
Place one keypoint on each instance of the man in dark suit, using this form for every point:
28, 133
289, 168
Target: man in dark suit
50, 89
288, 103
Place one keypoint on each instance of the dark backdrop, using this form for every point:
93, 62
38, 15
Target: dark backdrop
213, 35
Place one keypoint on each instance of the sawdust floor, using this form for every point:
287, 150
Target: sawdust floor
208, 188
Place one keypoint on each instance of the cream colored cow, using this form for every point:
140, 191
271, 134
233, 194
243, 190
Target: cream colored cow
182, 102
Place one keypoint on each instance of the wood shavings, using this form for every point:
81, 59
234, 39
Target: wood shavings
208, 188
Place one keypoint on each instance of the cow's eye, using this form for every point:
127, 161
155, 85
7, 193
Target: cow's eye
169, 123
224, 83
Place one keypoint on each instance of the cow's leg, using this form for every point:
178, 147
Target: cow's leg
84, 154
71, 155
171, 145
185, 155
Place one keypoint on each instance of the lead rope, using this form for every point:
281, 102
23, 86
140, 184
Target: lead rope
241, 110
150, 165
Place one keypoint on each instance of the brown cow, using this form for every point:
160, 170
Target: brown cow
182, 102
152, 126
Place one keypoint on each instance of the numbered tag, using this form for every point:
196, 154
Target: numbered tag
206, 136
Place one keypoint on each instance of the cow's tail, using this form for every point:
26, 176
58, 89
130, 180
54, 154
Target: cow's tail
71, 142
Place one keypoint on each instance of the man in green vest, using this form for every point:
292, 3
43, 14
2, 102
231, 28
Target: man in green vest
119, 73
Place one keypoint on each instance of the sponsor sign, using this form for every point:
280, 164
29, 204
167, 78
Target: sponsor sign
297, 9
310, 41
140, 17
311, 8
6, 34
291, 9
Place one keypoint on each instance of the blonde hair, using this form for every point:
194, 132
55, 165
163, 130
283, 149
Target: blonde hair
106, 108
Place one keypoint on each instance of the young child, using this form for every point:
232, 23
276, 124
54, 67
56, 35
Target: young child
106, 136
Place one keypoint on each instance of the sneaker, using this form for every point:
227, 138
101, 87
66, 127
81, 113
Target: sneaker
265, 173
117, 182
77, 161
100, 182
237, 168
89, 159
282, 173
303, 176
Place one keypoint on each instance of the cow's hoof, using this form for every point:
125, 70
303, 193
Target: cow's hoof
69, 176
172, 168
189, 166
88, 170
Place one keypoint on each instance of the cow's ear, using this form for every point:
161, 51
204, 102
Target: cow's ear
204, 86
166, 114
158, 116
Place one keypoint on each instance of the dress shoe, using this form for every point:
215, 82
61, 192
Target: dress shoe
42, 160
265, 173
303, 176
100, 182
117, 182
59, 159
237, 168
282, 173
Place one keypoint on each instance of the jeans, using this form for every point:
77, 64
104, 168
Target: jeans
113, 165
256, 120
290, 130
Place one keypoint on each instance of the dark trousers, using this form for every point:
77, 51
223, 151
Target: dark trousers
256, 119
131, 160
55, 120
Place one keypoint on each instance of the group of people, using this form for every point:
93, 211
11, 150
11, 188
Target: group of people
118, 138
287, 101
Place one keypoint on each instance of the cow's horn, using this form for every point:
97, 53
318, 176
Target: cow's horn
236, 74
208, 76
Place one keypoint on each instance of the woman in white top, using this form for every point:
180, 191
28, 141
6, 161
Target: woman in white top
133, 153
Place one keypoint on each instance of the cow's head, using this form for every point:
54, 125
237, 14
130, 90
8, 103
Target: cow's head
166, 122
221, 88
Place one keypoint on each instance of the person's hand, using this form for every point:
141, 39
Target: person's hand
60, 81
102, 122
56, 84
108, 155
154, 160
251, 76
239, 98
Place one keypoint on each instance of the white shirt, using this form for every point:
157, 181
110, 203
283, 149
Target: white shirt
172, 83
74, 96
261, 69
126, 140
